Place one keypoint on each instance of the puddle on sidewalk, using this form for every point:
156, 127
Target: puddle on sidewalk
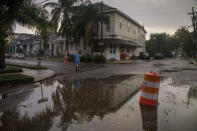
169, 71
99, 105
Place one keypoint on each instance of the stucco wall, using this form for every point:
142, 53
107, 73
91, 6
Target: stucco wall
129, 31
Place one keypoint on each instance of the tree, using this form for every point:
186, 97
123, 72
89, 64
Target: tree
86, 19
23, 12
183, 39
76, 21
160, 42
180, 42
61, 17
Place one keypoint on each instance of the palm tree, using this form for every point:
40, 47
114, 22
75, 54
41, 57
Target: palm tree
76, 21
23, 12
61, 17
86, 20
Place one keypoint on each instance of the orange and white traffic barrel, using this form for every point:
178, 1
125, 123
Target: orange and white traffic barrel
150, 89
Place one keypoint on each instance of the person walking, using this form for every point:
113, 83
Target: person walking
77, 60
65, 58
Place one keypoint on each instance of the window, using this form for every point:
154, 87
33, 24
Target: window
108, 27
121, 49
128, 28
120, 24
128, 49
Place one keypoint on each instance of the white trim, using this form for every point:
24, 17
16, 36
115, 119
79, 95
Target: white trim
151, 84
149, 96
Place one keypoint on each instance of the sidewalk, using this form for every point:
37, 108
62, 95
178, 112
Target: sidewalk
38, 75
126, 61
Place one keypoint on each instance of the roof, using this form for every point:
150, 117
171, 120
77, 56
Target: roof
109, 9
116, 42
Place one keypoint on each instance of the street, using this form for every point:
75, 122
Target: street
104, 98
180, 68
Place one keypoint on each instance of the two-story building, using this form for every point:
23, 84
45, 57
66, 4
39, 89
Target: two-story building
121, 36
28, 44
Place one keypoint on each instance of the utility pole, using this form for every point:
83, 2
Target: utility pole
102, 30
194, 28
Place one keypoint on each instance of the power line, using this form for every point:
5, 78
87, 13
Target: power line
160, 13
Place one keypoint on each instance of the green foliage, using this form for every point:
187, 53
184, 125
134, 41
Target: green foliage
160, 43
86, 59
70, 58
9, 79
76, 20
183, 38
25, 13
99, 59
10, 69
29, 66
95, 59
180, 42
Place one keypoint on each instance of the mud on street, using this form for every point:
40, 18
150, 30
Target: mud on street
105, 99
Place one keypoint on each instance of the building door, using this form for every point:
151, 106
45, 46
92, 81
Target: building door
112, 51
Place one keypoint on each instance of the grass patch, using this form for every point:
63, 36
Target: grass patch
10, 69
60, 59
194, 59
54, 59
29, 66
10, 79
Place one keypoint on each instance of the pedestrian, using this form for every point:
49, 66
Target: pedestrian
77, 60
65, 58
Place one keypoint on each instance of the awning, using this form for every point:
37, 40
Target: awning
116, 42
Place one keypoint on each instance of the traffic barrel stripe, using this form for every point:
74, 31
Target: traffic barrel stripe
150, 90
151, 84
151, 78
148, 102
149, 96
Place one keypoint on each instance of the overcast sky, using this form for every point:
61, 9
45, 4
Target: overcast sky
156, 15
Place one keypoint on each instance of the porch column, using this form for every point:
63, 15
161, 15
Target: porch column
50, 46
15, 48
13, 51
34, 47
28, 47
54, 50
64, 47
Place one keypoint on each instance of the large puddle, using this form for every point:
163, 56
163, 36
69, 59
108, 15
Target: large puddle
99, 105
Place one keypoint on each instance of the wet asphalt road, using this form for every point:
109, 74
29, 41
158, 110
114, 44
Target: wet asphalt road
179, 68
105, 98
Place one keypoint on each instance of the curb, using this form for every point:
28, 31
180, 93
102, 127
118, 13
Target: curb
45, 78
53, 75
121, 62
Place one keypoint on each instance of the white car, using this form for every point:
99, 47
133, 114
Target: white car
18, 56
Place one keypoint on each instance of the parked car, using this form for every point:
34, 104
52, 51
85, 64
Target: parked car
8, 55
18, 56
144, 56
159, 55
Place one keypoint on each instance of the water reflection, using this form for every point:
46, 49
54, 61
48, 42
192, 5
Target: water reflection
11, 120
149, 118
74, 102
100, 104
